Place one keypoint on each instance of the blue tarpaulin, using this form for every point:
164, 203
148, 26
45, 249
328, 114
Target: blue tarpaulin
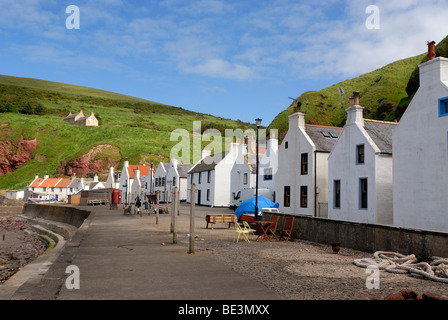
248, 206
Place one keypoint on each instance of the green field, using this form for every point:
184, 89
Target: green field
139, 129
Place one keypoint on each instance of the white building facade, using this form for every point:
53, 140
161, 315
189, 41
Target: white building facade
301, 179
212, 177
360, 170
421, 153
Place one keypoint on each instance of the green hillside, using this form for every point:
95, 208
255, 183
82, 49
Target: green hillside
138, 129
385, 93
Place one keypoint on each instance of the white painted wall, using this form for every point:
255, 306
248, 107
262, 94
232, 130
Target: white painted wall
289, 172
343, 166
421, 155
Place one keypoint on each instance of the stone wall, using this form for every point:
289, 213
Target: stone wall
369, 237
58, 213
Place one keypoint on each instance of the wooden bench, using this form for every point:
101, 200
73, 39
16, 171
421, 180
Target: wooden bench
222, 218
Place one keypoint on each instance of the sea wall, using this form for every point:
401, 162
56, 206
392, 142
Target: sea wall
368, 237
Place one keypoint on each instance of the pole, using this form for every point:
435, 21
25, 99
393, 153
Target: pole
256, 184
172, 210
157, 206
192, 215
175, 217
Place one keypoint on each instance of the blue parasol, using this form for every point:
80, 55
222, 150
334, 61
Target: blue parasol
248, 206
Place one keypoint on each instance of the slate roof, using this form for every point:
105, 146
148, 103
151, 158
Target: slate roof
183, 169
208, 163
324, 137
381, 133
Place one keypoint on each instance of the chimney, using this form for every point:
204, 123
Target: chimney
297, 120
251, 144
431, 49
95, 178
73, 176
355, 111
433, 71
205, 153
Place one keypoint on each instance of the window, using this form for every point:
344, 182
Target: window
267, 174
163, 181
200, 178
209, 176
174, 181
191, 178
303, 196
443, 107
208, 194
363, 193
304, 164
245, 178
287, 196
360, 154
337, 194
286, 144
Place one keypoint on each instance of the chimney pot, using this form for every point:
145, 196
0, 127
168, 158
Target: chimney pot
431, 50
356, 97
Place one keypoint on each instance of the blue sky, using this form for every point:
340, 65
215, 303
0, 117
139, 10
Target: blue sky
234, 59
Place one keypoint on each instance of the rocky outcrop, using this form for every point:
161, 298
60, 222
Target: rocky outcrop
14, 154
99, 159
404, 294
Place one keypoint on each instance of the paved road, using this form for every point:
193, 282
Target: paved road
121, 257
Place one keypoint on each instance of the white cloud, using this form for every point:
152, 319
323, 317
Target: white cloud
219, 68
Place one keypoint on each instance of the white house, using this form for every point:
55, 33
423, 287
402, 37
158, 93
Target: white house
177, 176
243, 172
127, 178
15, 194
360, 170
160, 180
112, 181
212, 177
302, 174
47, 188
420, 144
268, 165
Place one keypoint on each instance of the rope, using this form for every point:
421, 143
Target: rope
436, 269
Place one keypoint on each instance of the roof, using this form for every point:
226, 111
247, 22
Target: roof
381, 133
36, 182
51, 183
324, 137
183, 169
208, 163
144, 170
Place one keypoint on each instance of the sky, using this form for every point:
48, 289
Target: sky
233, 59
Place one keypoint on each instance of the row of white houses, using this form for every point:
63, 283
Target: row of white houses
373, 171
368, 171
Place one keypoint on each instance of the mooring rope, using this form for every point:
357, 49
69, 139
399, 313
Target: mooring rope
436, 269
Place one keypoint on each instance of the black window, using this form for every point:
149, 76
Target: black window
267, 174
287, 196
337, 194
303, 196
360, 154
363, 193
304, 163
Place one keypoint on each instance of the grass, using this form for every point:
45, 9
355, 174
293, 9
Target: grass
380, 92
140, 130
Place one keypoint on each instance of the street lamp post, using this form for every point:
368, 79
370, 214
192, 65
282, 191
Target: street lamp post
258, 123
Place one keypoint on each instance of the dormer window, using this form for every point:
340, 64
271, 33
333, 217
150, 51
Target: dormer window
443, 107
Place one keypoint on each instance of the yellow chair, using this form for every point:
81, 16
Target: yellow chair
248, 228
240, 231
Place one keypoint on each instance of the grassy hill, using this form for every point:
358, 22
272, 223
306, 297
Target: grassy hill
385, 93
139, 129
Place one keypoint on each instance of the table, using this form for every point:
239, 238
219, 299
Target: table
262, 227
